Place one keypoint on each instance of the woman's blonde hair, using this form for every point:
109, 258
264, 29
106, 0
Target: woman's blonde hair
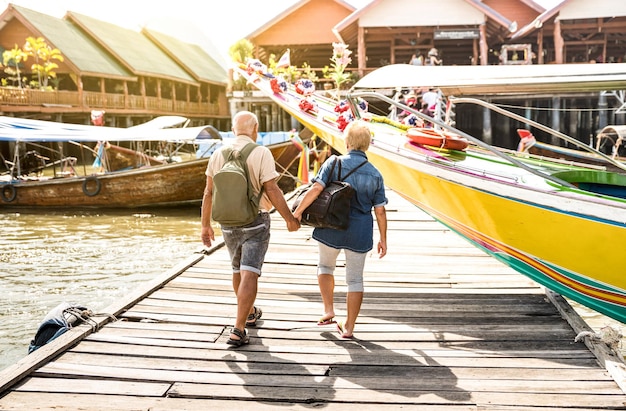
358, 135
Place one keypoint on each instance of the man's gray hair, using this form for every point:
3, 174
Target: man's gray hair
244, 122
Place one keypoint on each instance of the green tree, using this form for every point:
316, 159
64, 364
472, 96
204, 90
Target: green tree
12, 60
239, 53
44, 56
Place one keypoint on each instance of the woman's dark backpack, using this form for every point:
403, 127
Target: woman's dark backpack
331, 209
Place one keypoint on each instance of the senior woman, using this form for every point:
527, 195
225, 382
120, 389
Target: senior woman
357, 240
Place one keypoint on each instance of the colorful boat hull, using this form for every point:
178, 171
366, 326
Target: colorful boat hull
564, 238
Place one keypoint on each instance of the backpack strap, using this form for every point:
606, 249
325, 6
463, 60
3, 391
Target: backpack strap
332, 169
245, 153
351, 171
247, 149
227, 152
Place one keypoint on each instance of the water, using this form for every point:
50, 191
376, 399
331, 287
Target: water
91, 258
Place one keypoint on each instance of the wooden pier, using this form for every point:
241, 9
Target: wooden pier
443, 327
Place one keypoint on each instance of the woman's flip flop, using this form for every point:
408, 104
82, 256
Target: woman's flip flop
326, 321
342, 332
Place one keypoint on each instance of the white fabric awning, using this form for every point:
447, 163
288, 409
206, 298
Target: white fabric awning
502, 79
25, 130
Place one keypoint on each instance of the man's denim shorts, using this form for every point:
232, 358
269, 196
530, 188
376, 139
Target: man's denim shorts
247, 245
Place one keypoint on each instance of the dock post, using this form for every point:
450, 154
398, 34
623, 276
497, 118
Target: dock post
487, 134
602, 109
556, 118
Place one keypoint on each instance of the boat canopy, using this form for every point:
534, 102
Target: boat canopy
163, 122
498, 80
619, 131
26, 130
615, 134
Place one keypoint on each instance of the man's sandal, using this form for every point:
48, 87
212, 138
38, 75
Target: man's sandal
252, 318
243, 338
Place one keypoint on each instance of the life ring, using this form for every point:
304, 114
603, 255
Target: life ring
8, 193
441, 139
96, 190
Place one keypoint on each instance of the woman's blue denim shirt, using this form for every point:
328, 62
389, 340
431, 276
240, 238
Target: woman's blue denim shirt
370, 192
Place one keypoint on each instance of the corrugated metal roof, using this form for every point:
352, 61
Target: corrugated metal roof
77, 48
140, 55
191, 56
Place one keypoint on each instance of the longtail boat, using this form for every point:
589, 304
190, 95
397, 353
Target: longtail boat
560, 224
120, 177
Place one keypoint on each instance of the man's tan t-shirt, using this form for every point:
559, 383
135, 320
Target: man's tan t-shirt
260, 163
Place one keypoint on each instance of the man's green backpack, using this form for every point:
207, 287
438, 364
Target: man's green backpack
234, 202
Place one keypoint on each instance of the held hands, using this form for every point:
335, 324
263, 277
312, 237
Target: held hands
293, 224
297, 215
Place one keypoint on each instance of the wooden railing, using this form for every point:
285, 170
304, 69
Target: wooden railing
11, 96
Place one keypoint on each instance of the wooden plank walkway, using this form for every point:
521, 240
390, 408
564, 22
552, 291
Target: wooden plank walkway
443, 327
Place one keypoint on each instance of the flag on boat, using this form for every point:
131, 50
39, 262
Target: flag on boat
285, 60
97, 162
303, 165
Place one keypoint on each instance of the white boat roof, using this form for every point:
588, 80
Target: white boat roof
502, 79
163, 122
618, 130
26, 130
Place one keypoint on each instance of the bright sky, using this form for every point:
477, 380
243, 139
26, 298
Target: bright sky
218, 22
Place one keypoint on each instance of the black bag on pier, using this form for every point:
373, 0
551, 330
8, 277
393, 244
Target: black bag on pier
59, 320
331, 209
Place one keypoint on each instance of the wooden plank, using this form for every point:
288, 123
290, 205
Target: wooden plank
423, 308
161, 334
99, 386
378, 313
295, 376
159, 327
315, 353
68, 401
446, 394
313, 349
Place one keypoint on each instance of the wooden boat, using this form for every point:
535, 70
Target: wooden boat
556, 223
165, 185
132, 180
